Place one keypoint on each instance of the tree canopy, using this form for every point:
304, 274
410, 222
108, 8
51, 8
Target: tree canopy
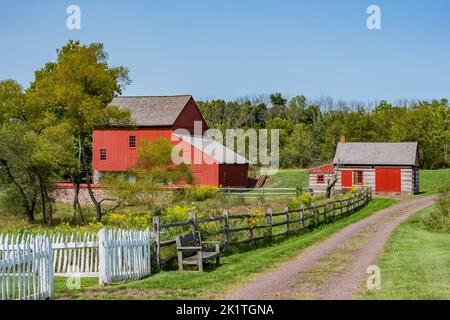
309, 131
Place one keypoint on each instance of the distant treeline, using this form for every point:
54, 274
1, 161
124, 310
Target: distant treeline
310, 130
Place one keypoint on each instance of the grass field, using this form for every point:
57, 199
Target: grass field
215, 282
432, 180
288, 178
415, 263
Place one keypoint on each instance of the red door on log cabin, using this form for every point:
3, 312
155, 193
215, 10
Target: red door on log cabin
347, 179
388, 180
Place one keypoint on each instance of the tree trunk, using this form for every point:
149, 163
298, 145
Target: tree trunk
97, 204
43, 199
50, 209
76, 202
29, 210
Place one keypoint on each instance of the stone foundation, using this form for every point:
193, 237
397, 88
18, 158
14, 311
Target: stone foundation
66, 194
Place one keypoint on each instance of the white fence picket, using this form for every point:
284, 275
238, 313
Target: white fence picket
75, 254
26, 268
124, 255
28, 264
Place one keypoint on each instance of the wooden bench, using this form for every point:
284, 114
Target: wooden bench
191, 251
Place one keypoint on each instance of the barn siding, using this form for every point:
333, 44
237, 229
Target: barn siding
188, 116
368, 176
407, 180
237, 175
120, 157
318, 187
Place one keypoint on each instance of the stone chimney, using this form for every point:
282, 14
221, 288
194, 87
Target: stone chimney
342, 139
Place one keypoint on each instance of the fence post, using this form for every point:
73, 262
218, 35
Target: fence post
269, 220
157, 240
353, 203
313, 208
226, 229
103, 258
332, 210
286, 220
193, 216
302, 217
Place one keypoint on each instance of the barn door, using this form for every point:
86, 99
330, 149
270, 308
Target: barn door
346, 179
388, 180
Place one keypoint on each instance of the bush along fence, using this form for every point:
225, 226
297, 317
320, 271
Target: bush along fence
26, 271
232, 230
28, 264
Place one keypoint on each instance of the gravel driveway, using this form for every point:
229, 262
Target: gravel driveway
334, 268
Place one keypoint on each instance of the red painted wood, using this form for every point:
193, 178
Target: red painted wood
346, 179
233, 175
388, 180
328, 168
188, 117
120, 157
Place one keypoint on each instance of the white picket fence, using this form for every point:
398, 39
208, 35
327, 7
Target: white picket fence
26, 271
28, 264
124, 255
75, 254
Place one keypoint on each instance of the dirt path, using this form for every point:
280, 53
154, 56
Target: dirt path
334, 268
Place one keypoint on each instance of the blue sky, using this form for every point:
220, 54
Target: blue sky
228, 49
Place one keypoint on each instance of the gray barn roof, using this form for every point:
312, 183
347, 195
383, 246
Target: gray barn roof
360, 153
153, 111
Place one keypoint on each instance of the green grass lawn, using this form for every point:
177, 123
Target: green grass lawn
415, 263
288, 178
432, 180
213, 283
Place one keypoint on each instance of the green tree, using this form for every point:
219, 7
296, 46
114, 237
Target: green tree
29, 159
299, 149
153, 173
77, 89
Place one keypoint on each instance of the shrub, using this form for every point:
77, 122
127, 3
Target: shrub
176, 213
304, 199
130, 219
202, 193
439, 218
257, 217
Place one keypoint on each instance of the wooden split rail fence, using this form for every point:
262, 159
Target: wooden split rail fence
273, 224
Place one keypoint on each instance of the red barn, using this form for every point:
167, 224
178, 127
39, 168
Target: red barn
115, 149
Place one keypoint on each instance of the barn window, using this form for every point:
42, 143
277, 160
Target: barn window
320, 178
358, 177
132, 142
102, 154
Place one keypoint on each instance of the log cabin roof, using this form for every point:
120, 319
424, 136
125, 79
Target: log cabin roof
377, 153
153, 111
